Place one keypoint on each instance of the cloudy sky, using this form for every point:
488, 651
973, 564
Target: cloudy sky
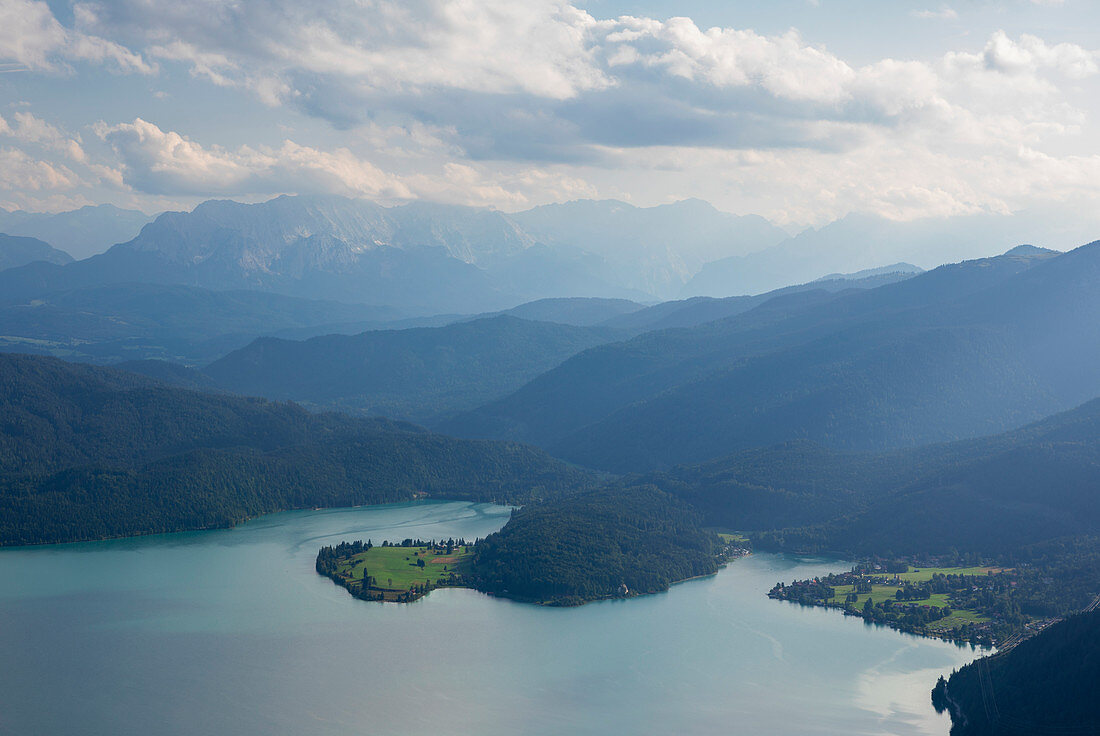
801, 111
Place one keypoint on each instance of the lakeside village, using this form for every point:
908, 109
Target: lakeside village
977, 605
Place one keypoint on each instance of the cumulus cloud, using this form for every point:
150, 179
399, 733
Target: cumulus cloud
20, 172
505, 103
28, 128
159, 162
30, 35
165, 162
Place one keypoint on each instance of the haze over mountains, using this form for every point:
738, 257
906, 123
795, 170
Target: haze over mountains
963, 350
425, 259
859, 241
422, 375
81, 233
18, 251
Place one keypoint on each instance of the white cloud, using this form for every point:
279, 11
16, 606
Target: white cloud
162, 162
30, 35
21, 172
944, 13
165, 162
510, 104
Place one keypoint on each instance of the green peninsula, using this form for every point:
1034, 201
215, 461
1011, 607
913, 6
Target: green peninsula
396, 572
614, 542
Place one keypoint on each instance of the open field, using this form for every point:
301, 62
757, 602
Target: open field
395, 570
881, 593
925, 573
733, 537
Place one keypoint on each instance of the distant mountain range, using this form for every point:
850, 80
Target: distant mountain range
19, 251
653, 250
424, 258
106, 324
858, 242
964, 350
427, 374
81, 233
421, 258
421, 375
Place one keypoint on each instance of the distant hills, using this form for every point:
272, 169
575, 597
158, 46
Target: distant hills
420, 258
964, 350
427, 375
651, 250
990, 495
701, 309
87, 453
421, 375
82, 232
106, 324
424, 259
19, 251
860, 241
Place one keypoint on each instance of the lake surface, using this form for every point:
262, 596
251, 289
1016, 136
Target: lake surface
232, 632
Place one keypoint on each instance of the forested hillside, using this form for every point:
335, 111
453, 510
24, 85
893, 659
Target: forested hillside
1047, 684
416, 374
965, 350
88, 453
612, 542
991, 495
168, 322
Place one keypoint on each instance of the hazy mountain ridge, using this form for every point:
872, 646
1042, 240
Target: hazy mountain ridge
702, 309
990, 494
82, 232
18, 251
421, 257
859, 241
935, 357
420, 374
670, 242
173, 322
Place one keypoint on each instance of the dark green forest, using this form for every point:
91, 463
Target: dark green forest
612, 542
88, 453
1047, 684
992, 496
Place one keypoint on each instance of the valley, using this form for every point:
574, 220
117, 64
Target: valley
895, 417
550, 367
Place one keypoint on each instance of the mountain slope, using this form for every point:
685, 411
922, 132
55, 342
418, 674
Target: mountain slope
83, 232
964, 350
656, 248
422, 258
701, 309
311, 247
90, 452
179, 323
990, 495
860, 241
1046, 684
19, 251
417, 374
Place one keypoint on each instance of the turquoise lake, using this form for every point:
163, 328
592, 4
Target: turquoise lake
232, 632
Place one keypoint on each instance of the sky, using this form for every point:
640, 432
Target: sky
798, 110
